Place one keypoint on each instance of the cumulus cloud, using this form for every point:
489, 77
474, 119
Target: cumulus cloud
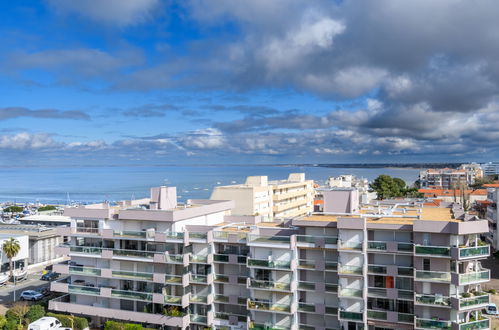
209, 138
26, 141
115, 12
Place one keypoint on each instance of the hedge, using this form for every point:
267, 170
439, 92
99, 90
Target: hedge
79, 323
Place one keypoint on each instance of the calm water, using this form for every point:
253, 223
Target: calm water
95, 184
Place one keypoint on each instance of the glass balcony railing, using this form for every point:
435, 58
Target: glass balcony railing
330, 310
331, 266
87, 230
405, 318
133, 253
276, 264
331, 288
474, 301
85, 249
80, 289
221, 258
268, 306
375, 245
174, 235
253, 238
174, 300
439, 251
307, 308
351, 316
194, 235
306, 264
376, 292
350, 245
432, 300
473, 252
406, 294
474, 277
474, 325
347, 292
270, 285
433, 276
77, 270
131, 234
132, 275
241, 259
267, 326
405, 271
404, 247
221, 278
376, 269
303, 285
198, 299
195, 278
174, 258
313, 239
132, 295
226, 316
202, 259
221, 299
377, 315
433, 324
197, 318
173, 279
350, 270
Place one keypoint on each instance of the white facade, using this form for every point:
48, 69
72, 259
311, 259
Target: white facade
23, 254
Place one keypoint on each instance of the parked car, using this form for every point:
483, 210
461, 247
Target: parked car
31, 295
49, 276
491, 309
45, 323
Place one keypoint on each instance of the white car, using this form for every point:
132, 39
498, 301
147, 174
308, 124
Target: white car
491, 309
31, 295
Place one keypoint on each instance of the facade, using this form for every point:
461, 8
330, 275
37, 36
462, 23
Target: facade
393, 265
42, 242
448, 178
269, 199
490, 168
455, 195
492, 214
47, 220
21, 259
351, 181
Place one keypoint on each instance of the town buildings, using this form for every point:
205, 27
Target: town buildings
449, 178
391, 265
490, 168
492, 214
471, 196
269, 199
21, 260
351, 181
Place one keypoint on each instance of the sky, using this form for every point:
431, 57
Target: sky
146, 82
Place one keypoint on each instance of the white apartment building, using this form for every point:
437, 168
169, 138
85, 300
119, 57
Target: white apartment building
269, 199
351, 181
449, 178
492, 215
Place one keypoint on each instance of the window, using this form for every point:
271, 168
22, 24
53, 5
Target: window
426, 264
379, 281
403, 283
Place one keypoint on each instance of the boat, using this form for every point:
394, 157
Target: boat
4, 278
20, 274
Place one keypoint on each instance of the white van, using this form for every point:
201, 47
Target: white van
45, 323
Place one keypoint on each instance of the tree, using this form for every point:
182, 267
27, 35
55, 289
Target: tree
35, 312
11, 248
13, 209
387, 187
18, 311
47, 208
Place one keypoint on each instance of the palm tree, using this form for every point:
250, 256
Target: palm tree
11, 248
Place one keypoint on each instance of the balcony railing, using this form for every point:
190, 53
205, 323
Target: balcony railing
80, 289
432, 300
404, 247
350, 245
253, 238
268, 306
405, 318
307, 308
79, 270
313, 239
221, 258
377, 315
87, 230
306, 264
331, 310
133, 253
376, 245
174, 235
195, 235
275, 264
198, 258
351, 316
131, 234
331, 288
474, 252
132, 295
433, 276
432, 324
198, 299
85, 249
474, 325
376, 292
132, 275
195, 278
474, 277
436, 251
303, 285
173, 300
221, 299
221, 278
376, 269
350, 270
270, 285
331, 266
476, 301
348, 292
405, 271
173, 279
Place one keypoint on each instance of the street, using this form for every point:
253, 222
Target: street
33, 282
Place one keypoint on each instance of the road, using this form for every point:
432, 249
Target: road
33, 282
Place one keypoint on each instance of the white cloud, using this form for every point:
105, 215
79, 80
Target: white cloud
116, 12
23, 141
209, 138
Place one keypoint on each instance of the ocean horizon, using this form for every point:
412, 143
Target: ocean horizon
88, 184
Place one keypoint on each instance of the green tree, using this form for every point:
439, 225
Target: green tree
387, 187
35, 312
17, 312
11, 248
13, 209
47, 208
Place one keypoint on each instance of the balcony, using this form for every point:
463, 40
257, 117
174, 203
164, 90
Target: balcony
474, 252
377, 315
133, 295
132, 275
266, 326
270, 264
405, 318
331, 310
432, 300
405, 247
268, 306
173, 300
306, 286
405, 271
474, 277
331, 266
350, 270
377, 292
198, 279
349, 245
132, 234
474, 325
351, 316
376, 269
350, 293
432, 324
87, 230
429, 276
432, 251
173, 279
331, 288
269, 285
221, 278
480, 300
306, 308
80, 270
254, 239
85, 250
198, 259
221, 258
306, 264
86, 290
333, 240
133, 253
176, 236
376, 245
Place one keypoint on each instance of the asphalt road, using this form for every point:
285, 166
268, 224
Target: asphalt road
31, 283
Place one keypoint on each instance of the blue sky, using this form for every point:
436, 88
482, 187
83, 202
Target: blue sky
232, 81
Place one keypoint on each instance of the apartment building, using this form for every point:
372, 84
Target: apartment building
397, 265
455, 195
490, 168
271, 200
448, 178
492, 214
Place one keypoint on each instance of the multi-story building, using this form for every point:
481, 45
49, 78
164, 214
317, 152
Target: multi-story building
492, 214
448, 178
490, 168
269, 199
351, 181
393, 265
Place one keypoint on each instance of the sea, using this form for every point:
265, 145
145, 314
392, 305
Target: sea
64, 185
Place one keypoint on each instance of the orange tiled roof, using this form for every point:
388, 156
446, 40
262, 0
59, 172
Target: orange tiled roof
318, 202
451, 192
491, 185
